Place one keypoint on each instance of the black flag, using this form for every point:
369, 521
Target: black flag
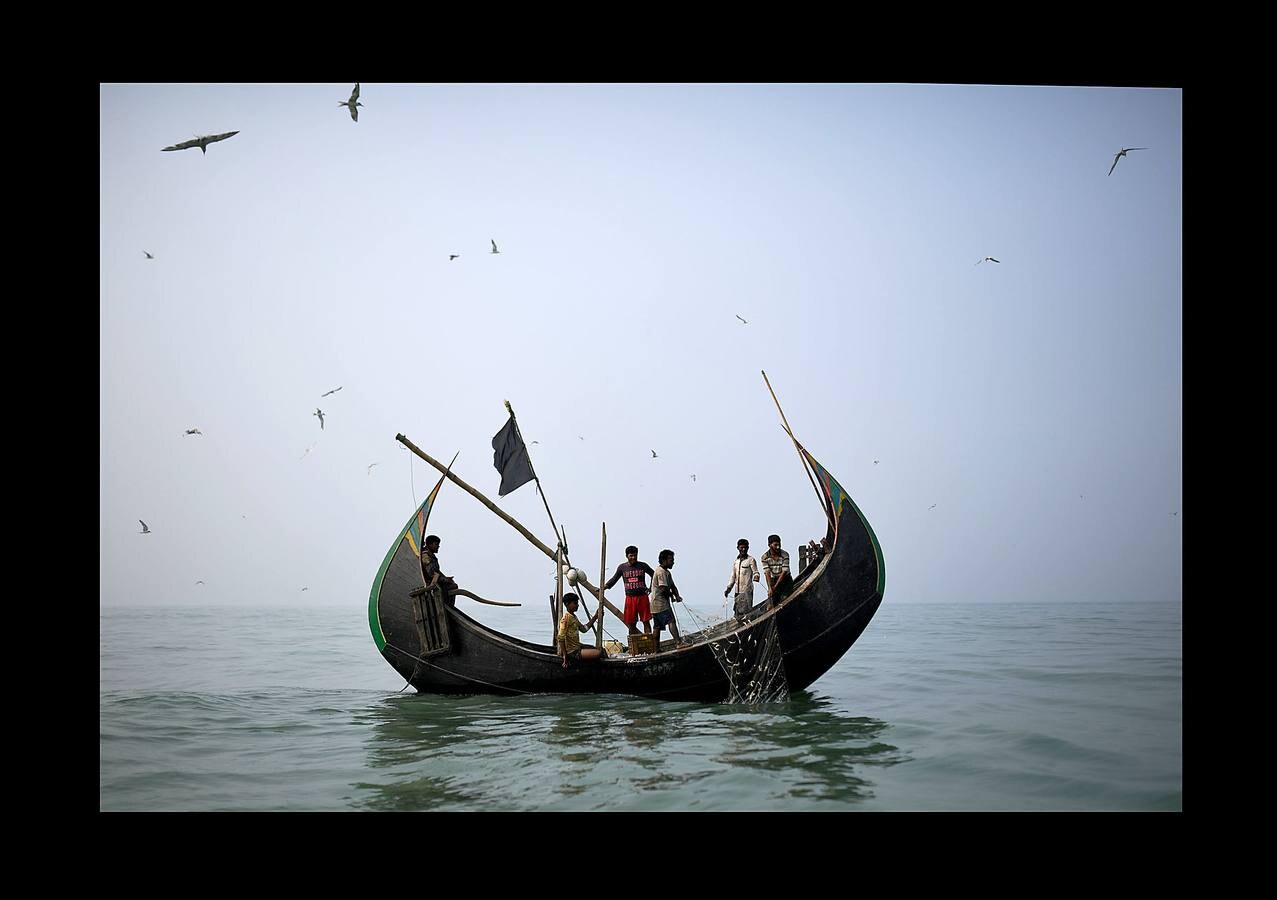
511, 459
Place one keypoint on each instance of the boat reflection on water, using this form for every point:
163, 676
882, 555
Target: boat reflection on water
613, 752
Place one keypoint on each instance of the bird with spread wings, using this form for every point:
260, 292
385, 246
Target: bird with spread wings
353, 103
202, 141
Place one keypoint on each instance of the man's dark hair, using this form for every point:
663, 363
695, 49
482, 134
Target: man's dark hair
664, 555
773, 537
631, 549
742, 541
432, 537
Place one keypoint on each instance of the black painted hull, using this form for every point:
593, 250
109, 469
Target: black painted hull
814, 627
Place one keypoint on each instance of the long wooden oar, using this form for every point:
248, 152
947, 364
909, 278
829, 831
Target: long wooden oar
464, 593
417, 592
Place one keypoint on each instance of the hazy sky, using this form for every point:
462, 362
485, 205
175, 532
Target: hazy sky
1037, 403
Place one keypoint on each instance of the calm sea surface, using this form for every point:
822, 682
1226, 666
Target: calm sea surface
937, 707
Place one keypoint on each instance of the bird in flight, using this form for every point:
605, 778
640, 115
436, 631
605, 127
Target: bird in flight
148, 255
370, 465
536, 442
353, 103
1121, 153
579, 438
199, 582
452, 256
193, 431
693, 478
743, 320
319, 412
932, 506
145, 528
494, 246
305, 589
306, 452
202, 141
653, 454
333, 391
989, 259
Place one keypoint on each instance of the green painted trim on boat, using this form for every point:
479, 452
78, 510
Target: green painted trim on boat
374, 621
882, 567
873, 538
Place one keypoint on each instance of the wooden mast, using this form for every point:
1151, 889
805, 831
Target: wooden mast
598, 640
502, 514
798, 447
558, 593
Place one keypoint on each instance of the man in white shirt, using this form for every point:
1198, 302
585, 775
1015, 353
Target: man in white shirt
744, 575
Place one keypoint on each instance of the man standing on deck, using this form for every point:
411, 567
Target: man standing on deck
744, 574
637, 604
663, 592
431, 573
776, 568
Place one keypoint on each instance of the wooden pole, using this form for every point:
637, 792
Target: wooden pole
502, 514
558, 590
798, 448
602, 578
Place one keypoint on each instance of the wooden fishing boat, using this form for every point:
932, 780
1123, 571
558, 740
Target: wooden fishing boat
439, 649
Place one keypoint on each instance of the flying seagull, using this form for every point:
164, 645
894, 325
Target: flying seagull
202, 141
319, 412
370, 465
353, 103
305, 589
653, 454
306, 452
333, 391
536, 442
693, 478
743, 320
989, 259
452, 256
148, 255
145, 528
875, 462
494, 246
932, 506
193, 431
199, 582
1121, 153
579, 438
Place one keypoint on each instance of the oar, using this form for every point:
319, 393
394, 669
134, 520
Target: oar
419, 592
464, 593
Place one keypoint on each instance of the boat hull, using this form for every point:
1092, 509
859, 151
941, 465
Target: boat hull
829, 608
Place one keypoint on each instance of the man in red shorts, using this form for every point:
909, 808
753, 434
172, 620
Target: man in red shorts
637, 605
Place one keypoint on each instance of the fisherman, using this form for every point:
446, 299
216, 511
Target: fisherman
637, 603
744, 574
665, 590
570, 628
776, 567
431, 573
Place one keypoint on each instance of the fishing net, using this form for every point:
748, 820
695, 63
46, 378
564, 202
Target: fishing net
752, 660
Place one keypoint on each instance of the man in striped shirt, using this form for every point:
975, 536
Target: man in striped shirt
776, 567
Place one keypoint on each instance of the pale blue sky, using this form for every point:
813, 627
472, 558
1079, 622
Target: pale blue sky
635, 222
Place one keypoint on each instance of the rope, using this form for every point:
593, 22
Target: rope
499, 687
